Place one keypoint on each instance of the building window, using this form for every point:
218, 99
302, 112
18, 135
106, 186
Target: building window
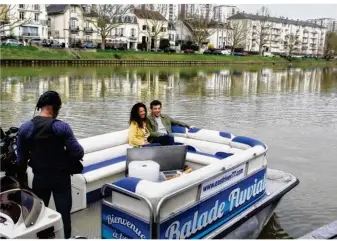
87, 38
163, 30
132, 32
36, 7
22, 6
87, 24
22, 15
36, 17
116, 31
153, 29
122, 31
57, 34
30, 31
73, 23
144, 27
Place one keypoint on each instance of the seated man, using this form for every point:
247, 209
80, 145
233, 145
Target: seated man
160, 125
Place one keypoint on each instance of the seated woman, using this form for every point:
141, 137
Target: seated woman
139, 129
138, 132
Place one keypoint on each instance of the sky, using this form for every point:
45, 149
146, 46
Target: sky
294, 11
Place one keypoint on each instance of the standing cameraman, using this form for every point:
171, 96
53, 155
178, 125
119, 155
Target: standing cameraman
50, 146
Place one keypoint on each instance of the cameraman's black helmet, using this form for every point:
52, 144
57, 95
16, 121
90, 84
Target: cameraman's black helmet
49, 98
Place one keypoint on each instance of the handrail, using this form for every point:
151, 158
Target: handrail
132, 195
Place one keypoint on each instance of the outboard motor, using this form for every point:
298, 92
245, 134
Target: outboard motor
8, 151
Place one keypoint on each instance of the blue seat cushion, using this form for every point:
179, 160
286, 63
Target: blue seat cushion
106, 163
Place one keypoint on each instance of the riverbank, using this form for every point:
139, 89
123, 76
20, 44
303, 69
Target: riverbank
42, 56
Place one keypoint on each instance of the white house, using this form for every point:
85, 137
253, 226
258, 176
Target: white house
25, 21
280, 35
152, 27
220, 36
68, 23
126, 31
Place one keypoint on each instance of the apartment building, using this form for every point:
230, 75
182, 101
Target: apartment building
221, 12
280, 35
329, 23
24, 21
189, 10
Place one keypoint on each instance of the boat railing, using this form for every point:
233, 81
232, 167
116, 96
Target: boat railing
113, 188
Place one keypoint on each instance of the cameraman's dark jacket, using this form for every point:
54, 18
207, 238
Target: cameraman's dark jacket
49, 144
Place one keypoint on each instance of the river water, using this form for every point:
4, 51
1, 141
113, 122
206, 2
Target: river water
293, 110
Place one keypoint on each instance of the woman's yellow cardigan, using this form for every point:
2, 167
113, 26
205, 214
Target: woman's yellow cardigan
136, 134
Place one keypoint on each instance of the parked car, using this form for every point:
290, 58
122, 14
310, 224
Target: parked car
241, 54
208, 51
35, 41
268, 54
12, 42
56, 44
189, 51
221, 52
89, 45
169, 50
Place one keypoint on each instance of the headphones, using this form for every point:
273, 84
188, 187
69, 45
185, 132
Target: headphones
50, 98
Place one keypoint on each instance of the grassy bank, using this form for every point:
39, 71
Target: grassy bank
34, 53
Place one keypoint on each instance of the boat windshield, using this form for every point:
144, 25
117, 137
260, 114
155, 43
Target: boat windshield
17, 202
8, 183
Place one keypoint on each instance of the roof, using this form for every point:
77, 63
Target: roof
244, 15
148, 14
211, 25
57, 8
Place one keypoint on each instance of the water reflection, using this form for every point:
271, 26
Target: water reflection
142, 84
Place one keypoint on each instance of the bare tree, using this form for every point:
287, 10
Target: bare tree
104, 18
9, 18
331, 44
291, 43
237, 33
201, 25
263, 28
155, 25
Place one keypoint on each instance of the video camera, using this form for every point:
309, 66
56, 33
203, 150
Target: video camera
8, 151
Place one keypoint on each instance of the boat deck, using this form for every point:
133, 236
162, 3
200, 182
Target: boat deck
87, 222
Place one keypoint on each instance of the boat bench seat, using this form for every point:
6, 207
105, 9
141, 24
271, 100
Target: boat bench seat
103, 164
217, 155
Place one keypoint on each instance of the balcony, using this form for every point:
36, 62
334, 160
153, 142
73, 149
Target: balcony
35, 22
133, 37
29, 34
88, 30
74, 28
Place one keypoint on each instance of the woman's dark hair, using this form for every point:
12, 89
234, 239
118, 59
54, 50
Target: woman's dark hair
155, 103
134, 116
